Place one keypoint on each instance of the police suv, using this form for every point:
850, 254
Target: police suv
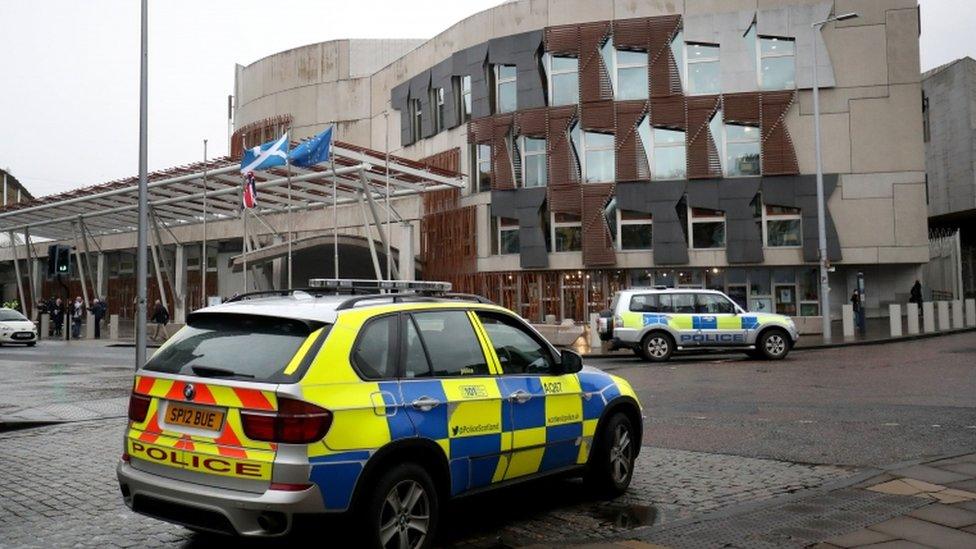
656, 322
279, 406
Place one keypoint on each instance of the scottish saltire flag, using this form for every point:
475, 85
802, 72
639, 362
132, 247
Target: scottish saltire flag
250, 191
313, 151
265, 156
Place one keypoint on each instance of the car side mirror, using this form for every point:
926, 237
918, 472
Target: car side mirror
570, 362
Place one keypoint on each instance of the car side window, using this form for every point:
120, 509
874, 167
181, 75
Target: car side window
451, 344
644, 303
372, 354
518, 350
664, 304
683, 303
712, 304
415, 362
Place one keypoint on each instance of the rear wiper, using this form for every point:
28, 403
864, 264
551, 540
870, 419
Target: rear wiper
209, 371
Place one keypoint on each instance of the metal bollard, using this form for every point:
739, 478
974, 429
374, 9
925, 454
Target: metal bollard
957, 315
45, 326
89, 326
944, 315
113, 327
847, 318
911, 311
971, 312
928, 316
894, 319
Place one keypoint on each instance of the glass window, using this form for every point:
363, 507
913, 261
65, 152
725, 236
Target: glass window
599, 161
704, 74
465, 103
505, 89
508, 236
741, 150
644, 303
783, 227
647, 141
636, 230
519, 352
714, 304
533, 162
683, 303
777, 66
563, 80
439, 111
665, 303
451, 343
567, 233
669, 154
415, 362
483, 157
372, 354
417, 119
631, 75
707, 228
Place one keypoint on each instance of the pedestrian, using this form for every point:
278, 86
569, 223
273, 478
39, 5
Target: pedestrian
858, 310
161, 317
98, 309
916, 294
57, 316
77, 313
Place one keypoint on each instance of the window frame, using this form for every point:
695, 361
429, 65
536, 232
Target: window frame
584, 149
394, 346
478, 161
615, 74
499, 82
524, 153
417, 117
464, 97
692, 220
401, 372
437, 102
727, 140
760, 56
499, 229
767, 217
689, 61
665, 145
621, 222
698, 304
551, 73
553, 225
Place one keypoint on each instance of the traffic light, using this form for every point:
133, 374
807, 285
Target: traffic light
58, 260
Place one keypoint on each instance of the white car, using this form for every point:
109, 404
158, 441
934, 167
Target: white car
16, 328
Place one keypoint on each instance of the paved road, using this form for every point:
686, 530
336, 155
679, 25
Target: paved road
868, 406
723, 432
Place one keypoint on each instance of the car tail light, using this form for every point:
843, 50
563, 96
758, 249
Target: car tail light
138, 407
295, 422
125, 457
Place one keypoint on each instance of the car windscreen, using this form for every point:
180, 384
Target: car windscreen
11, 315
232, 346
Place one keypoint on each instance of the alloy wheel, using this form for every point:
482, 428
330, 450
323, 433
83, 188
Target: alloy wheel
620, 452
657, 347
775, 345
405, 517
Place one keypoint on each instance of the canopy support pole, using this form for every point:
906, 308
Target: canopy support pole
20, 283
30, 274
369, 239
159, 274
379, 224
81, 266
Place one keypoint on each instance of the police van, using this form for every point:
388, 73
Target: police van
656, 322
282, 406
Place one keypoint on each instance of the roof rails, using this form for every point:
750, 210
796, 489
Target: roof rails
353, 284
315, 292
397, 291
412, 297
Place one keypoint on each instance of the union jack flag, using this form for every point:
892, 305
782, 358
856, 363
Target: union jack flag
250, 191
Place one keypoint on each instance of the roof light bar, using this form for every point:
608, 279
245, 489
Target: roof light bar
366, 284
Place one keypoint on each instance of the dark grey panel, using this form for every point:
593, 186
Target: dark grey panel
800, 191
659, 198
442, 76
526, 206
420, 89
473, 62
743, 236
522, 50
399, 100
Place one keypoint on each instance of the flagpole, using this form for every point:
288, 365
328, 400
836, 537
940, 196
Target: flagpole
290, 225
244, 247
389, 237
141, 252
203, 246
335, 219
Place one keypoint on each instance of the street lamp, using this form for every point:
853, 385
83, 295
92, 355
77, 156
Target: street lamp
821, 227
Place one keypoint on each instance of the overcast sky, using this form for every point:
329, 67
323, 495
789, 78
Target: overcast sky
69, 71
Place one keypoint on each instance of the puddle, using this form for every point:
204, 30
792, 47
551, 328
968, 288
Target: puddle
629, 515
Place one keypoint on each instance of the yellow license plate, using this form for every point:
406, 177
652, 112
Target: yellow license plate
194, 416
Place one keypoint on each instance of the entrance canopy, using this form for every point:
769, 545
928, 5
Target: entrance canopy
180, 196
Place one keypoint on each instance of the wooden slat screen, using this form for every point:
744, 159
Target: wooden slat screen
703, 159
563, 168
631, 161
741, 108
594, 76
502, 174
598, 247
778, 153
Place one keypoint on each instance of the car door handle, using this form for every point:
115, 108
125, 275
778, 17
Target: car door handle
519, 397
425, 403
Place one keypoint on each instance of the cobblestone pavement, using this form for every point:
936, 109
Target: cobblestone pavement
60, 491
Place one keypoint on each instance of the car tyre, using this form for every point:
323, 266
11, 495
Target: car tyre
403, 509
639, 353
657, 346
774, 344
611, 464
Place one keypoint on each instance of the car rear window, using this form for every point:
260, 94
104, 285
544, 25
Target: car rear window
233, 346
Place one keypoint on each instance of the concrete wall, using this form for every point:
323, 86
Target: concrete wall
950, 156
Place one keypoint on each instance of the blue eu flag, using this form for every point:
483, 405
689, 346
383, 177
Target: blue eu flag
313, 151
